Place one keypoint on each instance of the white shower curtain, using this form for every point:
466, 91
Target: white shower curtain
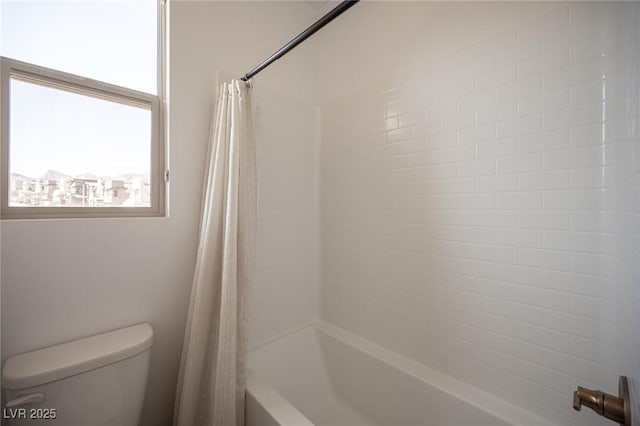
212, 375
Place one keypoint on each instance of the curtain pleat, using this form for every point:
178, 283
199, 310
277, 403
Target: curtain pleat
212, 377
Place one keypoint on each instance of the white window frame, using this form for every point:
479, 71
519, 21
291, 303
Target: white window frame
11, 68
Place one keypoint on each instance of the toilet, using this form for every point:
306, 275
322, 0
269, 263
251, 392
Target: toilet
95, 381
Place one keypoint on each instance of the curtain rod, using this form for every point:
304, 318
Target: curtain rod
334, 13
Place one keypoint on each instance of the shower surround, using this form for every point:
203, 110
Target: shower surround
465, 193
479, 193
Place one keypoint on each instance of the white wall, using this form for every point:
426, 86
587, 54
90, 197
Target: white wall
622, 215
230, 38
467, 191
284, 295
64, 279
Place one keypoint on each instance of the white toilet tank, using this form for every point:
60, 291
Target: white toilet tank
95, 381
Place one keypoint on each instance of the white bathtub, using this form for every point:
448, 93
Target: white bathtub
321, 375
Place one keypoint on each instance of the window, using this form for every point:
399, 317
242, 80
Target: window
81, 109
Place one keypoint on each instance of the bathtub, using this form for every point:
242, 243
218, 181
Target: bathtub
322, 375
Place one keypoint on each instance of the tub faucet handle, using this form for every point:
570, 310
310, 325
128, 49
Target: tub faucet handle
614, 408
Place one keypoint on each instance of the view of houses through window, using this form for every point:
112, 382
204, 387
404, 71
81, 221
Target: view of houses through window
54, 189
76, 149
83, 105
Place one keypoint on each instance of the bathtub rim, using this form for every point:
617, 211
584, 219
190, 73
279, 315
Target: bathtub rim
463, 391
278, 407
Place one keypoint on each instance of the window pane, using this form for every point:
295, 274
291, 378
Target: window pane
70, 149
110, 41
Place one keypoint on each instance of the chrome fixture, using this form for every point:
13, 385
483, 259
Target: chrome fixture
614, 408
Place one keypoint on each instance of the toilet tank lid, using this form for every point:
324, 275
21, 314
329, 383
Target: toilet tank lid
78, 356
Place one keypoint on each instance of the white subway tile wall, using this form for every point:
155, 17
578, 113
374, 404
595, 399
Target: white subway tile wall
286, 244
621, 219
476, 219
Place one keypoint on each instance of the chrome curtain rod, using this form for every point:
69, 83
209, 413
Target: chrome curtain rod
333, 14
